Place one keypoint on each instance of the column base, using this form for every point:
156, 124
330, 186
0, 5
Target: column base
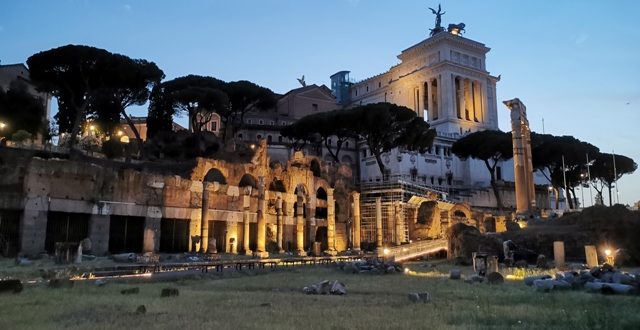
281, 251
301, 253
248, 253
331, 252
261, 254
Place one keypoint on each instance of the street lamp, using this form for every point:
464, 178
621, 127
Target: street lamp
549, 190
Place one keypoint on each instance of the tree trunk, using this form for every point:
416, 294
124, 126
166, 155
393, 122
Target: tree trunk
569, 198
76, 127
610, 199
333, 155
494, 185
136, 133
379, 161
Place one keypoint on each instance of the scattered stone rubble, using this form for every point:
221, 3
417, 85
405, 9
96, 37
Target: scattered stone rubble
370, 266
604, 279
326, 287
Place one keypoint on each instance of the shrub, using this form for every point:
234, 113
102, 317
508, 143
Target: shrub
112, 149
20, 136
90, 143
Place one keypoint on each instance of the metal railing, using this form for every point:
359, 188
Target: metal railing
414, 249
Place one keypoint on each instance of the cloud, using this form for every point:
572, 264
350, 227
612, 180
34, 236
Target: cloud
581, 39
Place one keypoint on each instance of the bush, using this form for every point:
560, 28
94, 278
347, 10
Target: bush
20, 136
90, 143
112, 149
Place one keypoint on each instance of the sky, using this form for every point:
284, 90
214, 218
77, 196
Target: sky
574, 64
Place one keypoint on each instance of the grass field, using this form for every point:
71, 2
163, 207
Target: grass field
274, 300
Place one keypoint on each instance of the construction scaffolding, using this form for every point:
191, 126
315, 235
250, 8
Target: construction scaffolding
396, 213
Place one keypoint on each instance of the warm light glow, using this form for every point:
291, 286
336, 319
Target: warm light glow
385, 251
92, 127
253, 146
404, 249
124, 139
406, 270
607, 252
119, 133
2, 125
550, 188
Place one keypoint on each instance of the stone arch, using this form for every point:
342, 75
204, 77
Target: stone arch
426, 212
277, 185
214, 175
460, 213
248, 180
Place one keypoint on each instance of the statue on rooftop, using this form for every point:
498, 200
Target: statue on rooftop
438, 28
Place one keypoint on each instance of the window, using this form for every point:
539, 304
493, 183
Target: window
258, 136
364, 153
240, 136
379, 84
261, 122
280, 138
329, 142
248, 121
271, 123
346, 144
269, 138
367, 88
214, 125
315, 107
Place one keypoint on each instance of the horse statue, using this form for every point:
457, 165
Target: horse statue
456, 27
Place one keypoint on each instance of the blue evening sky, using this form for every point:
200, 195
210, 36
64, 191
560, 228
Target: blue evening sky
574, 63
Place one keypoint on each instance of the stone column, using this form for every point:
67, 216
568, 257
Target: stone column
204, 218
356, 221
446, 90
300, 227
460, 97
522, 168
378, 222
246, 203
289, 217
477, 101
558, 253
279, 224
331, 223
232, 237
99, 226
194, 229
399, 219
151, 242
33, 227
262, 221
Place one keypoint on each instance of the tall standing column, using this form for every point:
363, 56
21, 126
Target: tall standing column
399, 219
522, 169
289, 218
279, 224
232, 237
356, 221
300, 227
204, 218
245, 220
460, 101
378, 222
331, 223
262, 222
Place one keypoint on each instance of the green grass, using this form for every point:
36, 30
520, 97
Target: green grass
274, 300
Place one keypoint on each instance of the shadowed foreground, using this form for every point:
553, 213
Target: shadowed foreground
274, 300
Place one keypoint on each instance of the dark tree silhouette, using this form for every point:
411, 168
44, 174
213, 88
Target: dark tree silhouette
489, 146
20, 110
547, 153
604, 174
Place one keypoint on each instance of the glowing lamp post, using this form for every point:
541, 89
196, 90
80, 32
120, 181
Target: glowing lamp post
2, 126
609, 257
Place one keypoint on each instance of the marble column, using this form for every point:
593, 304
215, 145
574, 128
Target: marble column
378, 222
460, 100
279, 224
356, 221
246, 203
300, 227
331, 223
262, 221
232, 237
289, 218
151, 238
399, 220
204, 218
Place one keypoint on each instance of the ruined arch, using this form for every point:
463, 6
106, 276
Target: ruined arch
277, 185
460, 213
214, 175
248, 180
490, 225
426, 212
321, 203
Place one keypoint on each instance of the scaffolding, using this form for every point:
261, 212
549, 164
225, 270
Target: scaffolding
397, 213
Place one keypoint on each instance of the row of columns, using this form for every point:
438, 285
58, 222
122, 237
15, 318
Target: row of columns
463, 95
261, 221
395, 223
